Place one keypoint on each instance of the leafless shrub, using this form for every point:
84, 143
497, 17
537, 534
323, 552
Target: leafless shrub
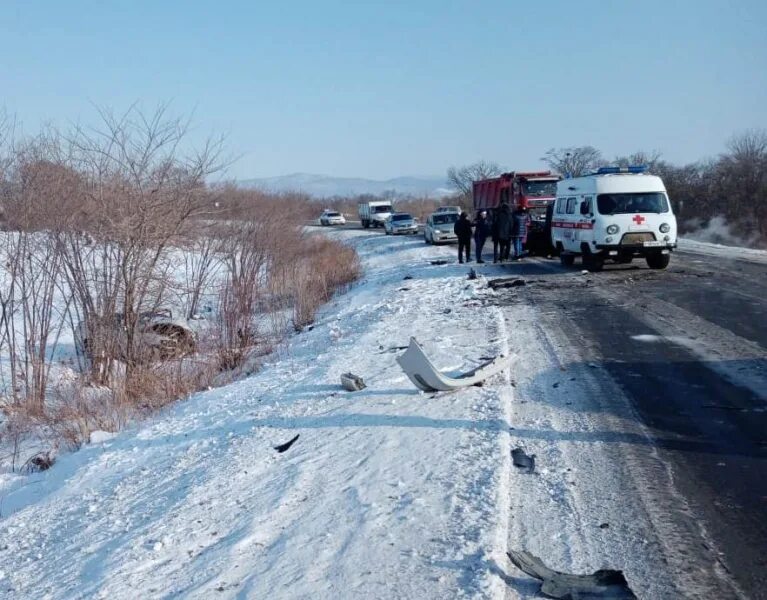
253, 253
326, 267
107, 225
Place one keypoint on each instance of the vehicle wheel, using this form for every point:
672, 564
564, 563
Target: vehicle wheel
386, 231
365, 224
426, 239
625, 260
658, 261
567, 260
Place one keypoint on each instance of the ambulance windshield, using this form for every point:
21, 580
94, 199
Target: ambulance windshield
641, 202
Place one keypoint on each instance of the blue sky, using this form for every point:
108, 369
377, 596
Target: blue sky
381, 89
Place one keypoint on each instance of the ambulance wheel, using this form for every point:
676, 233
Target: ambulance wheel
566, 260
625, 260
658, 261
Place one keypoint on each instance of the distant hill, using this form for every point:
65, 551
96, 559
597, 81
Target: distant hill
324, 186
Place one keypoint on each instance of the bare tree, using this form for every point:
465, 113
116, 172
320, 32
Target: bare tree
649, 159
461, 178
143, 194
743, 173
749, 146
573, 161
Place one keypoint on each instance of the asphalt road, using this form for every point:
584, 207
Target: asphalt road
688, 348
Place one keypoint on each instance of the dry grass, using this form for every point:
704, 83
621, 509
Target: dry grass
327, 267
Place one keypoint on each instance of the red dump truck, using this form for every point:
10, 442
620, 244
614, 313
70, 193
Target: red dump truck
535, 191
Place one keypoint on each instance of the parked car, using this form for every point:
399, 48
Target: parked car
439, 228
332, 217
400, 223
161, 335
448, 209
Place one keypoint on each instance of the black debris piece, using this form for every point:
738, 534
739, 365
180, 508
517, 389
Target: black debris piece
506, 283
605, 583
42, 461
404, 289
438, 262
447, 311
522, 460
286, 446
604, 525
472, 274
406, 277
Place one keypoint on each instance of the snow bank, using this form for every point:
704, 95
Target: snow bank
721, 251
388, 492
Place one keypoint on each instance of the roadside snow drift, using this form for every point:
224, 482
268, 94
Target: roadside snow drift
387, 492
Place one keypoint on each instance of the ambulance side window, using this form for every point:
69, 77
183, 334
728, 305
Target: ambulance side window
586, 206
560, 205
571, 202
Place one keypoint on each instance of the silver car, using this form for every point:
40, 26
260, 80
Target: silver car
439, 228
160, 336
400, 223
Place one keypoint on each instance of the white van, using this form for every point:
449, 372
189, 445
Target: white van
616, 213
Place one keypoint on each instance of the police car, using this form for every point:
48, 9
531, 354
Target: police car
615, 213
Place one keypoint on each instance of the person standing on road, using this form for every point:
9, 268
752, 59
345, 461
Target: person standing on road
481, 231
502, 227
462, 229
519, 225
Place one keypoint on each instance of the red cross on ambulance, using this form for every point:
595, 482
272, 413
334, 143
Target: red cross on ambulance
638, 219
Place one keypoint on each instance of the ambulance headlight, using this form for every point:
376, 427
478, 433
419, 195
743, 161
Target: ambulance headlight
613, 229
664, 227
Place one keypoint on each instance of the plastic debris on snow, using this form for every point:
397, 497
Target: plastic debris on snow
352, 382
605, 583
522, 460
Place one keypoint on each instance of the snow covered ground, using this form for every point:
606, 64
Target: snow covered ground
722, 251
388, 492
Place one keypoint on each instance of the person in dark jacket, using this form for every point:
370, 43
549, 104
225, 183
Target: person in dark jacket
481, 233
502, 229
462, 229
519, 223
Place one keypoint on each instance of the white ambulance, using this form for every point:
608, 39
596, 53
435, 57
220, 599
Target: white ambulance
615, 213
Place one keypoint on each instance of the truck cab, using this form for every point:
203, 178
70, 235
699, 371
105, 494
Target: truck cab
617, 214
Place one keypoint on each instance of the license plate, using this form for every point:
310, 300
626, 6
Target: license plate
652, 244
